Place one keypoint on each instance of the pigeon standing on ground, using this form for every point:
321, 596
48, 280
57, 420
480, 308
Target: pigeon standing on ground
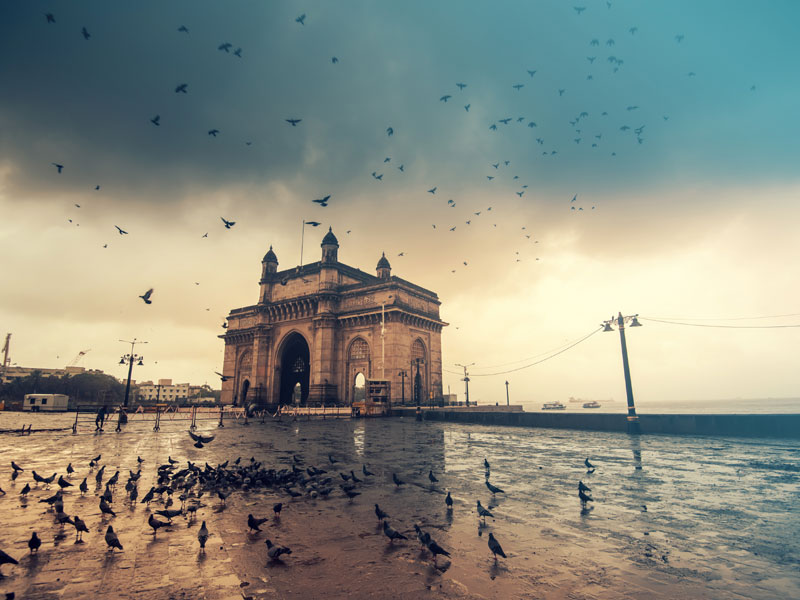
80, 528
494, 489
397, 481
380, 514
34, 543
431, 477
155, 524
274, 552
449, 501
391, 533
112, 540
494, 546
202, 536
254, 524
482, 512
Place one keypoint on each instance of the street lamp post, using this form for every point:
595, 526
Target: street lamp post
402, 375
129, 358
507, 400
633, 419
466, 381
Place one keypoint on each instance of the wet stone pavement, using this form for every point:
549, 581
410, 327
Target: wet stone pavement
672, 516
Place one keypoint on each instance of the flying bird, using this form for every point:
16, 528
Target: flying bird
293, 122
50, 18
313, 223
85, 33
228, 224
226, 47
579, 9
334, 60
323, 201
156, 120
531, 72
121, 231
466, 107
200, 440
432, 190
445, 98
390, 131
461, 86
301, 19
238, 52
182, 88
213, 132
518, 86
58, 166
183, 29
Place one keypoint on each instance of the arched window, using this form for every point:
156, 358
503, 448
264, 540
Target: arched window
418, 350
359, 350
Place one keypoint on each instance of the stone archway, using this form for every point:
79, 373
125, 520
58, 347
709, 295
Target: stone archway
295, 367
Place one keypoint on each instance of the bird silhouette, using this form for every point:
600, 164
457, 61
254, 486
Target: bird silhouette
334, 60
213, 132
225, 47
531, 72
448, 501
182, 88
238, 53
436, 550
518, 86
445, 98
224, 377
50, 18
579, 10
482, 512
202, 536
432, 190
323, 201
293, 122
228, 224
80, 528
588, 464
397, 481
183, 29
156, 524
301, 19
146, 296
254, 524
461, 86
390, 131
466, 107
494, 546
58, 166
85, 33
111, 539
34, 543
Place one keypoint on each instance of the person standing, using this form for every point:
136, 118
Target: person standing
101, 417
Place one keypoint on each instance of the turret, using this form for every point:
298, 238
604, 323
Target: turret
384, 268
330, 247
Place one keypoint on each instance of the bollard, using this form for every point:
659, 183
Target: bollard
221, 412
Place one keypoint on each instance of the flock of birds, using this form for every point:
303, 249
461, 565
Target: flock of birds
181, 490
588, 127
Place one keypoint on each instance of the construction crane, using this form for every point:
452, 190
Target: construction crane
78, 357
5, 355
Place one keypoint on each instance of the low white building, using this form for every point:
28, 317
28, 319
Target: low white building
45, 402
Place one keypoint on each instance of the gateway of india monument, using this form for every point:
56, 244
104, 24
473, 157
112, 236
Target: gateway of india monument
319, 330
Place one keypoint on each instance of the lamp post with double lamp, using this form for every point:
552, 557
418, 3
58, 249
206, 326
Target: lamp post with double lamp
130, 358
402, 375
633, 419
417, 379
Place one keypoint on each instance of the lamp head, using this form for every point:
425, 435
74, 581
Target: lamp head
635, 322
122, 360
140, 363
607, 327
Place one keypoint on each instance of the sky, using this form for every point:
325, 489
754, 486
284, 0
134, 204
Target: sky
648, 165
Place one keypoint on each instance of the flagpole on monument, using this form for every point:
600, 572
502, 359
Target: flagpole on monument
303, 235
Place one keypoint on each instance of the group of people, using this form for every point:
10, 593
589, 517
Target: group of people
101, 418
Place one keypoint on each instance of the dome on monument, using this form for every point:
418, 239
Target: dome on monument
330, 238
270, 256
383, 263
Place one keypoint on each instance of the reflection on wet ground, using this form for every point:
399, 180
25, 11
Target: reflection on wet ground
713, 516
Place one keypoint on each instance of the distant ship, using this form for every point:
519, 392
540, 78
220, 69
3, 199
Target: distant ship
554, 405
592, 404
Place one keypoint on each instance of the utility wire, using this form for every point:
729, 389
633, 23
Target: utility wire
727, 318
516, 362
583, 339
719, 326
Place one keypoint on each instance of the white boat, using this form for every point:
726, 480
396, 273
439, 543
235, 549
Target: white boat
592, 404
553, 406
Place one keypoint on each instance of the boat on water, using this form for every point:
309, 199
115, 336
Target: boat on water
553, 406
592, 404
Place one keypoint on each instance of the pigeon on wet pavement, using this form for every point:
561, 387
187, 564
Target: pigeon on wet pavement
112, 540
495, 547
